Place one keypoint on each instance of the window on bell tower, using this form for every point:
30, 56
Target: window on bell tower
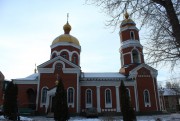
132, 35
74, 59
135, 56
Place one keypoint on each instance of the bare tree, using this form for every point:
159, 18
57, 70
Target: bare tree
173, 83
162, 19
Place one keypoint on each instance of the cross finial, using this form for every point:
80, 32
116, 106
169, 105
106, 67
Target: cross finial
67, 17
126, 15
35, 70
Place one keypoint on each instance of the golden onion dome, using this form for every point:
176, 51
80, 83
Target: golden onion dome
67, 28
127, 20
66, 37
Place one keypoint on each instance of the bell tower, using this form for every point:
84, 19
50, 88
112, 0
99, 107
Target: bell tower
131, 51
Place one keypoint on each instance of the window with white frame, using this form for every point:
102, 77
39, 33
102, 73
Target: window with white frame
88, 96
147, 101
70, 95
132, 35
135, 56
44, 94
108, 98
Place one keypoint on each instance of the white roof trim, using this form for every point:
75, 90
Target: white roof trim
25, 81
65, 44
102, 76
133, 73
55, 59
106, 83
128, 27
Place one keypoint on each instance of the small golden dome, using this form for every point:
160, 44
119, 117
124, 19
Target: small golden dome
67, 28
66, 37
127, 20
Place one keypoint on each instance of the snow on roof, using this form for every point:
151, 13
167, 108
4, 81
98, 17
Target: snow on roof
30, 77
102, 75
169, 92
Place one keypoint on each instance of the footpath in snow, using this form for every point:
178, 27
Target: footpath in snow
170, 117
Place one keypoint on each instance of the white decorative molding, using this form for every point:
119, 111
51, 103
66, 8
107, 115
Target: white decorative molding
105, 83
38, 88
78, 93
25, 81
49, 93
128, 27
56, 62
69, 54
130, 43
53, 53
65, 44
133, 73
58, 58
75, 52
98, 99
65, 50
136, 96
75, 69
139, 57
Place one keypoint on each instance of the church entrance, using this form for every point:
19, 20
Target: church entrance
52, 102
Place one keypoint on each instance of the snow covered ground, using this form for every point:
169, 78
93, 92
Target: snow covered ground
170, 117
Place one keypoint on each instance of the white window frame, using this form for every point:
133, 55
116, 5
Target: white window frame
133, 35
88, 105
71, 104
139, 59
108, 105
147, 104
43, 103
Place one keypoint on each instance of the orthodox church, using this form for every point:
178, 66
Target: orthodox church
86, 90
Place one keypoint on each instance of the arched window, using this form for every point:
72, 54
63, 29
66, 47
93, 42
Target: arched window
70, 95
135, 56
65, 55
132, 35
44, 94
74, 59
108, 98
147, 98
88, 96
53, 55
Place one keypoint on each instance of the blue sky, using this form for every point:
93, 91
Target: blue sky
28, 27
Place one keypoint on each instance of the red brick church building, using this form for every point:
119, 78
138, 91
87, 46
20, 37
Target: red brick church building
85, 90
